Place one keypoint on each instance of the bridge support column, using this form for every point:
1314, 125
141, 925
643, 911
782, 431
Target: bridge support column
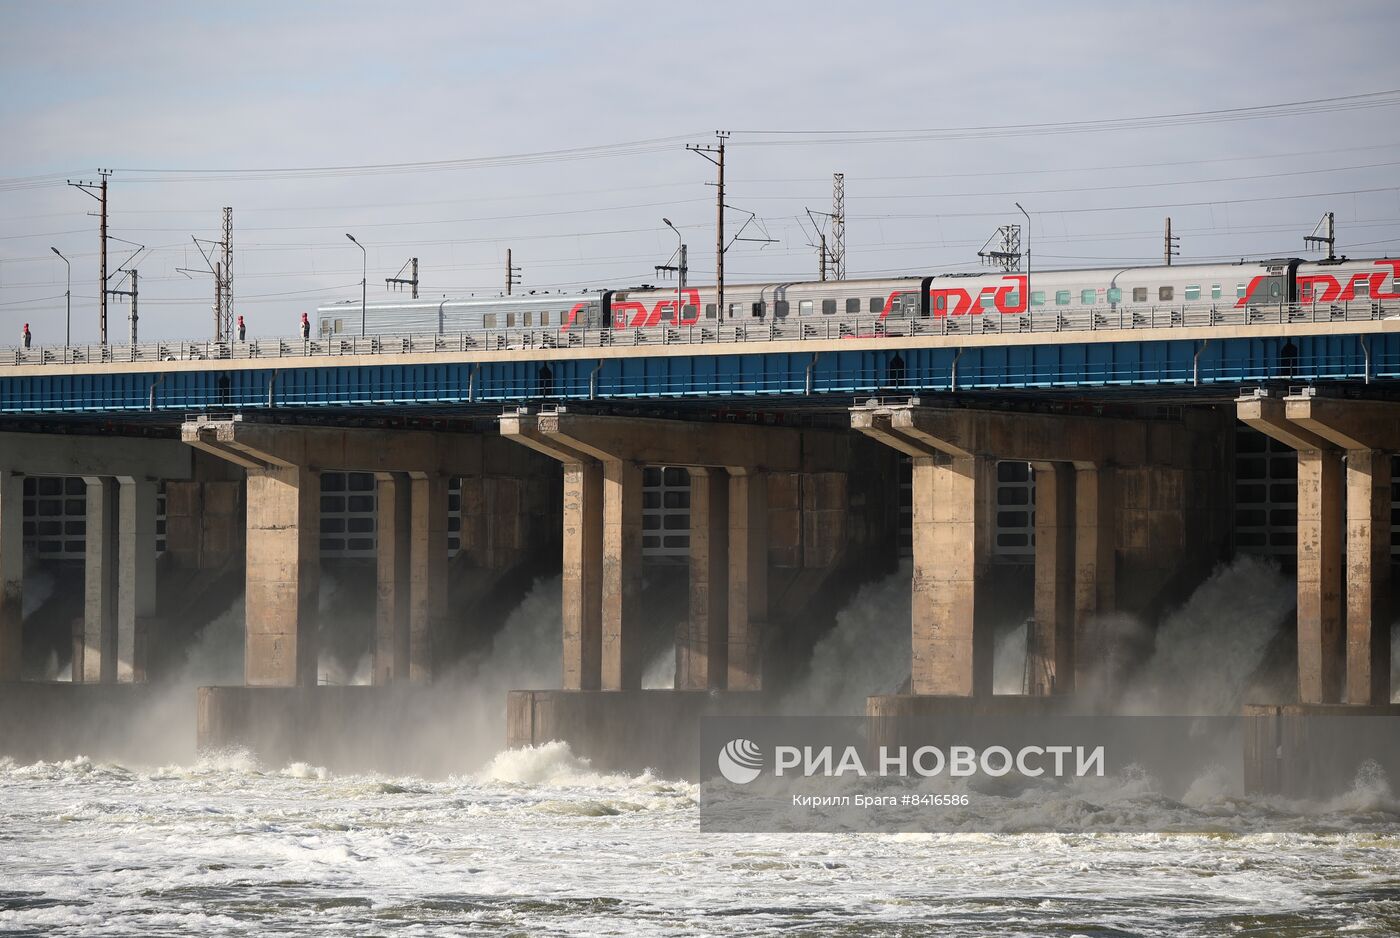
1052, 644
283, 582
1343, 538
99, 659
953, 518
11, 574
136, 575
748, 579
622, 574
391, 630
1095, 557
583, 576
428, 573
1321, 639
701, 648
1368, 576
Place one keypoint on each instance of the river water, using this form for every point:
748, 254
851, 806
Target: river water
537, 844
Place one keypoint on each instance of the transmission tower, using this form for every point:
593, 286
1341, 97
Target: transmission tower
1007, 255
837, 252
224, 327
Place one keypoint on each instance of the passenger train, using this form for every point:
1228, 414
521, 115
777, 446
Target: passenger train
1244, 284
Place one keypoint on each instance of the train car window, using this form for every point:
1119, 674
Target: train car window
736, 310
488, 321
877, 304
1193, 291
510, 320
1037, 297
528, 317
544, 318
1239, 290
1139, 294
1166, 293
1086, 297
1363, 289
805, 307
853, 305
986, 301
1013, 299
758, 309
325, 327
709, 311
688, 313
1115, 295
781, 307
828, 307
1215, 291
1061, 297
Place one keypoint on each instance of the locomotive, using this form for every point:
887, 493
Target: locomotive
1277, 282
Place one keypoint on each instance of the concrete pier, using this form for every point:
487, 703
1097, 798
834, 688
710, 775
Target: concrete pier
1118, 505
283, 464
1344, 530
729, 561
122, 475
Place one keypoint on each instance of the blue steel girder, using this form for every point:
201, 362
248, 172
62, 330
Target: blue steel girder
1012, 367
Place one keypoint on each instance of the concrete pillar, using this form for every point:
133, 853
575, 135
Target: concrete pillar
1095, 559
748, 579
283, 576
701, 659
953, 522
136, 575
1368, 577
583, 576
622, 574
1321, 640
391, 596
99, 583
427, 604
1052, 644
11, 574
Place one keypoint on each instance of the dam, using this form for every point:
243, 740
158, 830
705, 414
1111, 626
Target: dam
705, 503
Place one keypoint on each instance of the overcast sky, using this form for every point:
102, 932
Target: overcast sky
157, 89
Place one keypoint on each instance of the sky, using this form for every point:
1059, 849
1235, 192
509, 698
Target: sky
558, 131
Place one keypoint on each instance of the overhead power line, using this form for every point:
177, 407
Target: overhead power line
1388, 98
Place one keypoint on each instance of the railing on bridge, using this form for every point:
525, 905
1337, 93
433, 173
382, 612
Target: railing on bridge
1041, 320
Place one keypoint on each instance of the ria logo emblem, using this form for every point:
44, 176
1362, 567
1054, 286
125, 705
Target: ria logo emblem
740, 761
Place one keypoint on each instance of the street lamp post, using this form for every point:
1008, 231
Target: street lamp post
1028, 256
68, 298
680, 269
364, 279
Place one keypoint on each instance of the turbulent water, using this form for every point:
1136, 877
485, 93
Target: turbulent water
536, 844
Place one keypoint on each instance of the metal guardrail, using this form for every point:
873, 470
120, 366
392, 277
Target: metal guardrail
1045, 320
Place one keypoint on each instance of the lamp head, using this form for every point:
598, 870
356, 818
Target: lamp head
351, 237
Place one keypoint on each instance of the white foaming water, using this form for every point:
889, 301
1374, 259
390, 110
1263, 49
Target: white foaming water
660, 673
38, 587
537, 842
867, 652
1206, 651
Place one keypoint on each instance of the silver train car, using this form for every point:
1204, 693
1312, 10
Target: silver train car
1243, 284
